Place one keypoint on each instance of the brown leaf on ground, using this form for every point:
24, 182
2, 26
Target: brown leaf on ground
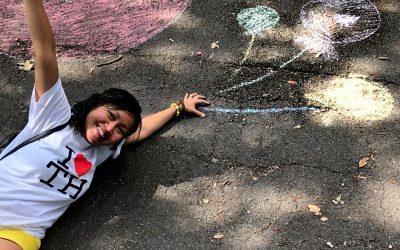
363, 162
225, 183
254, 176
323, 219
218, 236
314, 209
215, 45
205, 201
338, 200
292, 83
360, 177
294, 198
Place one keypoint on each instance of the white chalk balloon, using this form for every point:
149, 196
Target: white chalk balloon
341, 21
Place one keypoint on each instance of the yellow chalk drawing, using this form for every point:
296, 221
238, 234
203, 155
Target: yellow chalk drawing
356, 99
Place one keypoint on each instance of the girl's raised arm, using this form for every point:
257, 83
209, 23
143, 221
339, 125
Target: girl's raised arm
46, 68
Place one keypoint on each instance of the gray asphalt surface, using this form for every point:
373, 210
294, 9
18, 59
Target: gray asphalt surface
241, 181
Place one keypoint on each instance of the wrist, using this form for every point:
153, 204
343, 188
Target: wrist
179, 108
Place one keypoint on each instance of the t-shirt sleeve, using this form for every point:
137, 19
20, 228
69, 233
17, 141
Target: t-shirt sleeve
50, 110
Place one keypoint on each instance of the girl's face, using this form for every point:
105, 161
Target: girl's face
107, 126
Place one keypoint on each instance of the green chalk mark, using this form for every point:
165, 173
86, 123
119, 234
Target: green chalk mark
258, 19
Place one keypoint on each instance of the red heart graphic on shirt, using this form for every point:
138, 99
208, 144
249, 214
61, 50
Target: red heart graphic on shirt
82, 166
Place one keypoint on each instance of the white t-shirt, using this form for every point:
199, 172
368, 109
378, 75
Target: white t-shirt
39, 181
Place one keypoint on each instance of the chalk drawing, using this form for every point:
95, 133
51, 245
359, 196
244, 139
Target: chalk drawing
271, 72
258, 111
354, 98
90, 27
330, 22
258, 19
255, 21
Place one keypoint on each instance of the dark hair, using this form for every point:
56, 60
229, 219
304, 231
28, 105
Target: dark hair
113, 98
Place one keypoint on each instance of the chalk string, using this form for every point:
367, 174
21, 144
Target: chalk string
271, 72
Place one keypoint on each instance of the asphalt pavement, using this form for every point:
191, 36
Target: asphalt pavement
298, 150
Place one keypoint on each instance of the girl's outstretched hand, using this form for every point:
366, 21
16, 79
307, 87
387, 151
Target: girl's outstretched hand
191, 101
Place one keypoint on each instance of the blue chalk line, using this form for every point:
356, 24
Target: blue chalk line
259, 111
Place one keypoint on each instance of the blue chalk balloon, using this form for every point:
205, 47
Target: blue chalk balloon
258, 19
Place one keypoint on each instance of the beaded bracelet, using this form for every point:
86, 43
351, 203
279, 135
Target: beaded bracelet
179, 107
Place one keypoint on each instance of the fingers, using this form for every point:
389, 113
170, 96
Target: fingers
193, 99
198, 113
204, 101
192, 95
196, 97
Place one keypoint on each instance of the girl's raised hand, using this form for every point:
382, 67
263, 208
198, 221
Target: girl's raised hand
191, 101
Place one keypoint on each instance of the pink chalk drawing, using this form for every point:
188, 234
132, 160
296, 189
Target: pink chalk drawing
90, 27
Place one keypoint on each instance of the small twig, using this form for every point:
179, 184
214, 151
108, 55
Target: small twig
94, 203
129, 240
110, 62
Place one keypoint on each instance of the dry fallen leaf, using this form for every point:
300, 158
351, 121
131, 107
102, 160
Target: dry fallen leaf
225, 183
323, 219
317, 55
254, 176
338, 200
215, 45
26, 66
314, 209
277, 229
292, 83
294, 198
363, 162
218, 236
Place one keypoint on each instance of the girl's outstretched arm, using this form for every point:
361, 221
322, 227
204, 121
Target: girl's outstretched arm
153, 122
46, 68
